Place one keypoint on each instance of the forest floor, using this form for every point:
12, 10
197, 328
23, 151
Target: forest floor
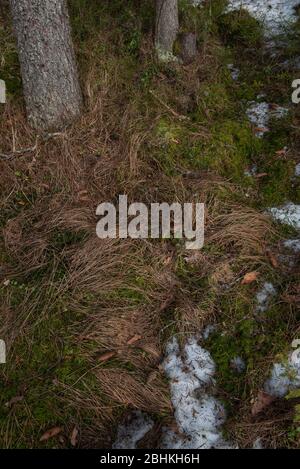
107, 338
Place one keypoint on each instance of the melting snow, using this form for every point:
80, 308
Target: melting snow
284, 377
264, 297
251, 172
259, 115
234, 71
293, 245
275, 14
131, 432
238, 364
258, 444
199, 415
288, 214
210, 329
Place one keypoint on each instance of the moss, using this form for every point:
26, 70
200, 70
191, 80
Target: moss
32, 370
245, 335
231, 149
239, 27
276, 187
9, 63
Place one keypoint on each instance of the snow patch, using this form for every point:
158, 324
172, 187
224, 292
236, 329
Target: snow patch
251, 172
210, 329
238, 364
274, 14
264, 296
288, 214
259, 115
234, 71
258, 444
285, 377
132, 431
293, 245
297, 170
199, 415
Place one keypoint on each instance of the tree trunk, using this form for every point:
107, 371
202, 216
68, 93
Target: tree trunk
167, 26
188, 47
50, 80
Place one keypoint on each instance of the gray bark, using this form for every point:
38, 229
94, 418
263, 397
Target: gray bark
48, 67
188, 47
167, 26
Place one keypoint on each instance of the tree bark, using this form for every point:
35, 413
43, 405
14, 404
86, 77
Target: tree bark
167, 26
48, 66
188, 47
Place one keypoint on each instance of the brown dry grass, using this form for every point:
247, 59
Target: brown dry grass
51, 184
63, 179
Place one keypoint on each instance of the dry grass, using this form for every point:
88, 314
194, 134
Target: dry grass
128, 294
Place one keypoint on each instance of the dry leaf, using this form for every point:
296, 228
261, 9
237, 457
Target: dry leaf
273, 259
261, 129
134, 339
261, 175
250, 278
106, 356
74, 436
51, 433
281, 152
263, 400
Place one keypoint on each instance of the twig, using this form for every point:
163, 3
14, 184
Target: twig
11, 155
174, 113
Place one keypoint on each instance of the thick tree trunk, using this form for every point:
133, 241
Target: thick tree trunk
50, 80
167, 26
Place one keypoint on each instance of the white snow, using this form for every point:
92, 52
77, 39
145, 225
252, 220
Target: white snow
264, 296
131, 432
252, 171
275, 14
297, 170
258, 444
208, 330
198, 414
238, 364
284, 377
288, 214
293, 245
259, 115
234, 71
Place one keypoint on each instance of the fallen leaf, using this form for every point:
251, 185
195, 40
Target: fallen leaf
261, 129
134, 339
74, 436
281, 152
262, 401
261, 175
51, 433
106, 356
273, 259
250, 278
